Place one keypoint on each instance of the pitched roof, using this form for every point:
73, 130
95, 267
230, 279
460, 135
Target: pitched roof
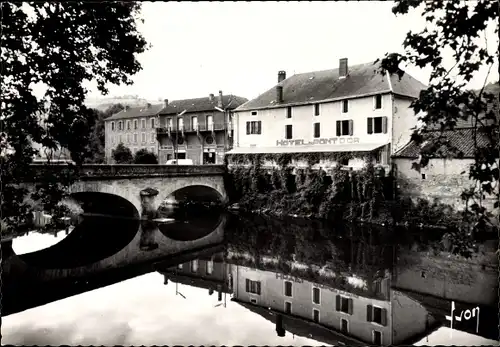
137, 111
202, 104
461, 139
311, 87
302, 327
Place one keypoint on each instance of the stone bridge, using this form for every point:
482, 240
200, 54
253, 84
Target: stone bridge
145, 186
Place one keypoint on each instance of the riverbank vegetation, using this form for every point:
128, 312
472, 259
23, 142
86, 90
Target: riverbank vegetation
338, 195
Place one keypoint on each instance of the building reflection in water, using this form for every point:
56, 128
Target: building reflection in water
336, 290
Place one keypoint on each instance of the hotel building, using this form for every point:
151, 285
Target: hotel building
349, 109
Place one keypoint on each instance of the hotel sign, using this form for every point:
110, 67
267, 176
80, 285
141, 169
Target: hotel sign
323, 141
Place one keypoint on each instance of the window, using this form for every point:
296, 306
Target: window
210, 122
376, 125
128, 125
316, 315
152, 149
135, 124
143, 137
152, 123
179, 266
316, 109
180, 123
316, 130
194, 265
129, 138
210, 267
288, 307
253, 301
378, 101
289, 112
377, 338
376, 314
152, 138
112, 126
344, 325
135, 138
169, 123
253, 287
345, 106
288, 131
120, 125
143, 123
254, 127
254, 113
288, 288
134, 150
343, 304
113, 140
345, 127
316, 296
120, 139
423, 176
194, 122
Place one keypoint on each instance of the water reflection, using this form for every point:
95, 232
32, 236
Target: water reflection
286, 281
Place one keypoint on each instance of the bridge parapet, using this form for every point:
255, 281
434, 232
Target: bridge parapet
91, 171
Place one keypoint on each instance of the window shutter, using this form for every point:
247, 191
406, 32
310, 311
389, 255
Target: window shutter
369, 312
350, 304
248, 128
337, 303
338, 127
258, 288
351, 127
259, 127
247, 285
369, 125
384, 125
384, 317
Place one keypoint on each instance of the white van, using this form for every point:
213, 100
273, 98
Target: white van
179, 162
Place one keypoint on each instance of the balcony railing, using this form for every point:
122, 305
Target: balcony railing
194, 128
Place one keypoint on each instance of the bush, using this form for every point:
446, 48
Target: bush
122, 154
144, 157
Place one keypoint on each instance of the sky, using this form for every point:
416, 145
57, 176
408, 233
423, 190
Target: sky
201, 48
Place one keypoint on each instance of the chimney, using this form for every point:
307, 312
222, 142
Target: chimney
149, 105
127, 107
166, 102
343, 68
279, 94
281, 76
211, 97
220, 99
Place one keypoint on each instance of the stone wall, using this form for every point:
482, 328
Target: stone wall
442, 179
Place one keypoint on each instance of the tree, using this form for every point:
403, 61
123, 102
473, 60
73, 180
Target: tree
144, 157
457, 27
95, 147
122, 154
59, 46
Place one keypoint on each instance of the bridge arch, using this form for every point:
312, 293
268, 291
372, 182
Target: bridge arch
130, 188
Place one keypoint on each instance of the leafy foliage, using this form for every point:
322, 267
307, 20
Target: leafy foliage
122, 154
457, 27
58, 46
95, 147
144, 157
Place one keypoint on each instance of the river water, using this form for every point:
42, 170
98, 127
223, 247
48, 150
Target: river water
221, 279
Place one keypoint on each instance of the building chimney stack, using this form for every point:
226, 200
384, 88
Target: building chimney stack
149, 105
166, 102
343, 68
211, 97
220, 99
281, 76
127, 107
279, 94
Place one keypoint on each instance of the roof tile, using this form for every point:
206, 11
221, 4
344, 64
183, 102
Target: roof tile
202, 104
